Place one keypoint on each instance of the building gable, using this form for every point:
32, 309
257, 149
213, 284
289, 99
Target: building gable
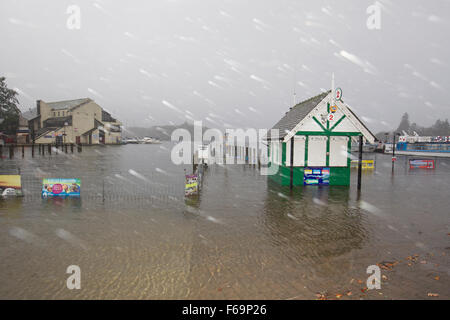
319, 119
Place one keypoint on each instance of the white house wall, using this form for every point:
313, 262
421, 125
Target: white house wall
338, 151
317, 150
299, 151
345, 126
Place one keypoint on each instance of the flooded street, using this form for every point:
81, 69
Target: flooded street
134, 235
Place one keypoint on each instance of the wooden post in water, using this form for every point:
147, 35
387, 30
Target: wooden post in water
360, 161
49, 148
32, 150
65, 148
393, 152
71, 147
23, 151
246, 155
11, 151
292, 163
259, 159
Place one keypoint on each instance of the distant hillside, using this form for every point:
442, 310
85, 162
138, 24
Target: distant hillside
162, 132
439, 128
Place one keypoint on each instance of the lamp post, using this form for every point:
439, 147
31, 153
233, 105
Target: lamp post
64, 134
393, 149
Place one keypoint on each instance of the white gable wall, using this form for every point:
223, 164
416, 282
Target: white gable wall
345, 126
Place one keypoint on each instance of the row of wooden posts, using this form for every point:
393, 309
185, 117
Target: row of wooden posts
248, 153
41, 149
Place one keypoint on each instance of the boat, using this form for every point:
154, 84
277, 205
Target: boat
131, 141
421, 146
149, 140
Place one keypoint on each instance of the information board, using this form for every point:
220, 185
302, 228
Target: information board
53, 187
191, 186
316, 176
421, 164
10, 185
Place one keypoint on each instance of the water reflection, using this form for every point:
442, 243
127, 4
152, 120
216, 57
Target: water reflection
313, 224
59, 203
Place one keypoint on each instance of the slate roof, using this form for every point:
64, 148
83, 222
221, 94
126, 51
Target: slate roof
68, 104
297, 114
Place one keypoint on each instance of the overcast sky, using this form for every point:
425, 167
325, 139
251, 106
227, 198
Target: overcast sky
230, 62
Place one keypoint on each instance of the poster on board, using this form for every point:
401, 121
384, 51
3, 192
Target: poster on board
53, 187
316, 176
10, 185
421, 164
191, 186
365, 164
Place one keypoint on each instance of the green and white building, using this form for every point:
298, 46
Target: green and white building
320, 130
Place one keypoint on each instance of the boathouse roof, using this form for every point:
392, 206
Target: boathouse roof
288, 123
296, 114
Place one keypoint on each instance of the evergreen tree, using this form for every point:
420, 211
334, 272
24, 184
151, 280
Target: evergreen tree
9, 111
404, 123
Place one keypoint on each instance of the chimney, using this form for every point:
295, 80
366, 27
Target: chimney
38, 106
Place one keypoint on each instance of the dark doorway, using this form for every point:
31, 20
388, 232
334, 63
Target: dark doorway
59, 140
102, 136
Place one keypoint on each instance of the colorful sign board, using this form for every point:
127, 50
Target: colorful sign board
365, 164
421, 164
10, 185
53, 187
191, 186
338, 94
316, 176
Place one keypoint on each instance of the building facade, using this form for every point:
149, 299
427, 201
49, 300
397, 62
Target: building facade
317, 134
80, 121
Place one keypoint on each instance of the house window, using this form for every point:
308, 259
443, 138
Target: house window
58, 113
54, 114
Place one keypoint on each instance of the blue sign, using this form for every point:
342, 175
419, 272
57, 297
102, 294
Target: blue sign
316, 176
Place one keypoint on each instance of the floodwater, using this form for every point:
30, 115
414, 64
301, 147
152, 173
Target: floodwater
134, 236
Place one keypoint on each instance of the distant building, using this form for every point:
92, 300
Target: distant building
72, 121
23, 132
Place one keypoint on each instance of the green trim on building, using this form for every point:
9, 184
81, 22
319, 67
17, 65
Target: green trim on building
337, 123
306, 150
349, 150
327, 157
328, 112
321, 133
339, 176
318, 122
